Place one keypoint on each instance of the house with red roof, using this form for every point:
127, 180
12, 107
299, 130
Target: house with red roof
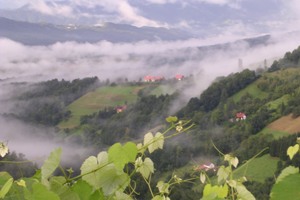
153, 78
120, 109
179, 77
240, 116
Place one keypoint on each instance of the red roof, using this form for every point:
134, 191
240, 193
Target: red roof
240, 115
179, 76
153, 78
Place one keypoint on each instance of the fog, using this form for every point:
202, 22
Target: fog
107, 60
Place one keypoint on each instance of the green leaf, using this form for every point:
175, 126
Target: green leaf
223, 191
215, 192
99, 173
172, 119
90, 167
286, 189
50, 165
6, 187
223, 173
83, 189
292, 150
234, 161
202, 177
163, 188
287, 171
4, 177
210, 192
158, 197
122, 196
39, 191
3, 149
144, 167
243, 193
21, 183
154, 142
112, 180
121, 155
58, 186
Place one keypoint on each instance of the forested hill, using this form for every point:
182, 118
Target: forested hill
240, 114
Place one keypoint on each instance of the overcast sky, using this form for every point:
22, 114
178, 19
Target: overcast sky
166, 13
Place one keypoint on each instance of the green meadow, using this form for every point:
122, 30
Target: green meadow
258, 169
108, 96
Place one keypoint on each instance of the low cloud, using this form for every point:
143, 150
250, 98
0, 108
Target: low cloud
107, 60
36, 143
72, 60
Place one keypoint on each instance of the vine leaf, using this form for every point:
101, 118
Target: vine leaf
234, 161
122, 196
50, 165
84, 190
145, 167
172, 119
21, 183
292, 150
99, 173
90, 167
6, 187
3, 149
163, 187
286, 172
202, 177
154, 142
215, 192
121, 155
39, 191
58, 186
160, 197
223, 173
243, 193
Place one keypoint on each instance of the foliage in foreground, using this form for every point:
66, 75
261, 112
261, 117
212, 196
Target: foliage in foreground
111, 174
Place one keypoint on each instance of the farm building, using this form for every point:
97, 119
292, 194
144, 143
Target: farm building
153, 78
240, 116
179, 77
120, 109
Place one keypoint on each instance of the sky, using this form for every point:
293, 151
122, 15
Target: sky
189, 14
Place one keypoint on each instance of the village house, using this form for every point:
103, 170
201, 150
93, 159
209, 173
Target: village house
179, 77
206, 167
240, 116
120, 109
153, 78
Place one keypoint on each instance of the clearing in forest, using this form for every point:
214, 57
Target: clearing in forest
258, 169
108, 96
286, 124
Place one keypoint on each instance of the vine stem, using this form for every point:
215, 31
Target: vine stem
149, 186
15, 162
217, 148
87, 173
251, 159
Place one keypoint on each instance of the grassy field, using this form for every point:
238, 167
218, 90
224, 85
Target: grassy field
276, 103
259, 169
253, 90
99, 99
275, 133
163, 90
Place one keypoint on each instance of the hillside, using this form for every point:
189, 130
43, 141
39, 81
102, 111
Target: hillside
103, 97
269, 102
47, 34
